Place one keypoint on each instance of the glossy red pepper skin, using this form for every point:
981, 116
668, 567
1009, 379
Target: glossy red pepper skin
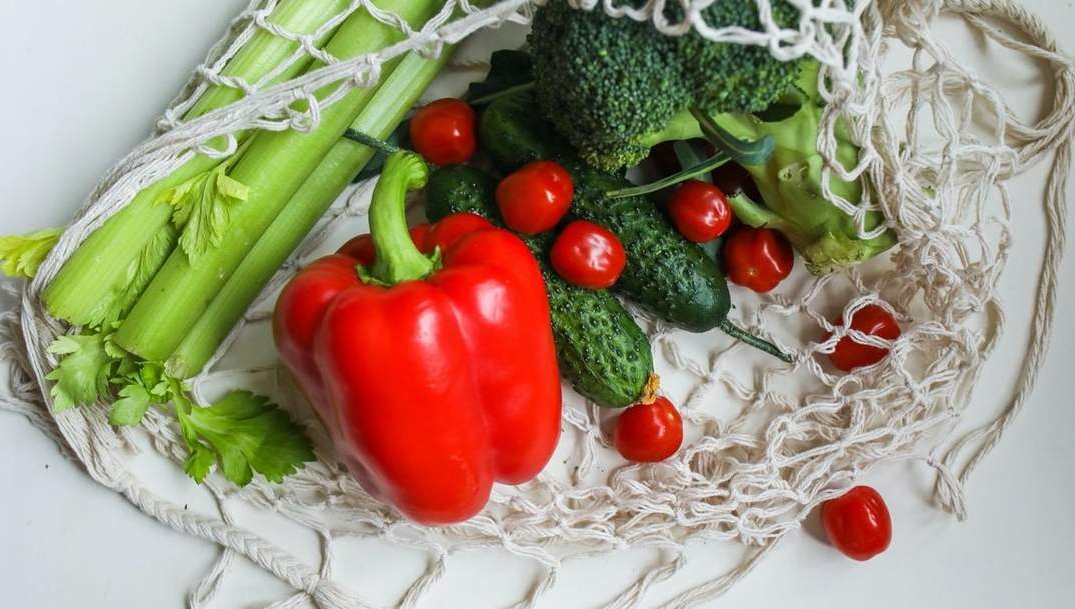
432, 389
757, 258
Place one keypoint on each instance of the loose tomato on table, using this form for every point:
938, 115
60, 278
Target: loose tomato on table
443, 132
757, 258
588, 255
858, 523
648, 433
699, 211
536, 197
873, 320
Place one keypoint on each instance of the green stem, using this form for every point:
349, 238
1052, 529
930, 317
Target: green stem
750, 212
365, 139
488, 99
398, 258
97, 274
761, 344
689, 173
682, 126
274, 168
741, 151
266, 51
394, 97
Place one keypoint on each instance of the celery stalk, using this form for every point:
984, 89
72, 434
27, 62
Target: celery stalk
274, 167
95, 282
380, 118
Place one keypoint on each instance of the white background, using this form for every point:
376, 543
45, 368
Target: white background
83, 84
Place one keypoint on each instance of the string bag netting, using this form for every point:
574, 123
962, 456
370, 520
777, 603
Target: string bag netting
766, 442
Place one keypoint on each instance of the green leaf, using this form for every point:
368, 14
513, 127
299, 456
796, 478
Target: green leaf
250, 434
198, 462
82, 376
509, 70
133, 405
22, 255
203, 207
140, 272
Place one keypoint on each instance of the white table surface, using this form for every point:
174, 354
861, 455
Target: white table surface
83, 84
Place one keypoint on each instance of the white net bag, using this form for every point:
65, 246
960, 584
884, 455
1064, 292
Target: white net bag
767, 442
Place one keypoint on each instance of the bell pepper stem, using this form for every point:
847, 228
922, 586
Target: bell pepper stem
398, 258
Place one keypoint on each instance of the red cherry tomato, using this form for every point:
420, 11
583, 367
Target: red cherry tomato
446, 232
699, 211
361, 247
536, 197
757, 258
588, 255
443, 132
648, 433
858, 523
873, 320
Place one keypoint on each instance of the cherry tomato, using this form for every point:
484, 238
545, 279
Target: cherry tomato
858, 523
536, 197
699, 211
648, 433
448, 230
757, 258
871, 319
361, 247
443, 132
588, 255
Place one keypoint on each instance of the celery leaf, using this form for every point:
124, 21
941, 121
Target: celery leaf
133, 404
249, 434
199, 462
203, 207
83, 373
141, 271
22, 255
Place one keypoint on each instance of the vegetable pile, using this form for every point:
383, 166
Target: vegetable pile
432, 355
154, 292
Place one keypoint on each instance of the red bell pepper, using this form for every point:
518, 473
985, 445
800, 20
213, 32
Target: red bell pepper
436, 375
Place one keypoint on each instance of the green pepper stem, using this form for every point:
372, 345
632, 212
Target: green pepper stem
761, 344
398, 259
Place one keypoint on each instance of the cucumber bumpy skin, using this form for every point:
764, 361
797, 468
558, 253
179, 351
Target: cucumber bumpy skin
665, 273
602, 352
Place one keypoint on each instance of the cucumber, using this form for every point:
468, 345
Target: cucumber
513, 133
666, 274
602, 352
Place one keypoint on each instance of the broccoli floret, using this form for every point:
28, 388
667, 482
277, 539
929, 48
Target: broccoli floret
615, 87
605, 83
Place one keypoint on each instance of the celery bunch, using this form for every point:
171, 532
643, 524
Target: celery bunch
159, 286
